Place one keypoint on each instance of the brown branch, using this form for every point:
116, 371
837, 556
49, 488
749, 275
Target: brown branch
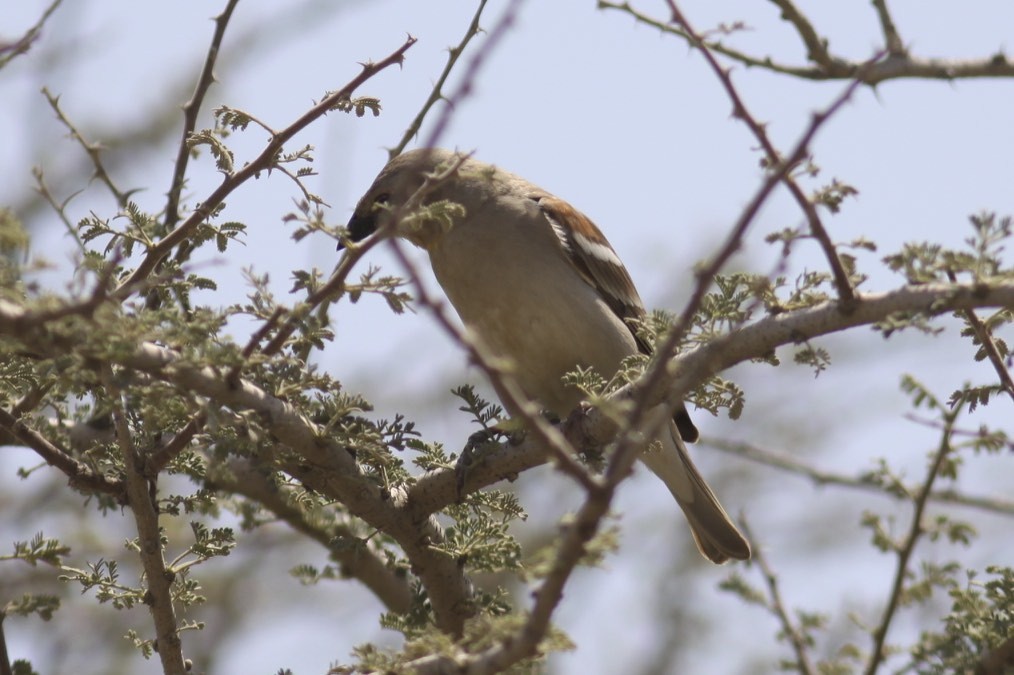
997, 661
892, 40
437, 93
93, 150
361, 563
787, 462
80, 476
160, 459
908, 546
21, 46
988, 345
898, 66
846, 292
777, 606
190, 111
816, 46
140, 492
260, 163
655, 377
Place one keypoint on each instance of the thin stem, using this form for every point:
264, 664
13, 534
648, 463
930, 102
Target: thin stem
908, 547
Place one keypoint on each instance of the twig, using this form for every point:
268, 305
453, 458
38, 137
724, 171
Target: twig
358, 562
79, 474
140, 492
260, 163
908, 546
437, 93
988, 345
190, 111
24, 43
777, 605
160, 459
846, 292
93, 150
816, 46
899, 66
786, 462
656, 376
468, 78
895, 47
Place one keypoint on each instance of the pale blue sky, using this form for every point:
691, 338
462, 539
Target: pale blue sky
635, 131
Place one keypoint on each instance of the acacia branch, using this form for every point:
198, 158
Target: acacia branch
900, 65
360, 562
141, 498
989, 346
262, 162
190, 111
21, 46
892, 40
437, 92
777, 606
786, 462
846, 292
908, 546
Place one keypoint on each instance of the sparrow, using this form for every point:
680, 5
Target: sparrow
540, 285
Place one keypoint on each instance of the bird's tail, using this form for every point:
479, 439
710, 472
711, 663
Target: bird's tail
716, 536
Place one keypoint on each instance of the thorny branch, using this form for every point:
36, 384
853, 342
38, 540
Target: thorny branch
899, 65
787, 462
906, 548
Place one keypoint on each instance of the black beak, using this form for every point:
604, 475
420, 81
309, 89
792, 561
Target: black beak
361, 226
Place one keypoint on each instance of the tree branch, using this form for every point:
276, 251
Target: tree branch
141, 494
260, 163
190, 111
777, 606
989, 346
898, 66
787, 462
908, 547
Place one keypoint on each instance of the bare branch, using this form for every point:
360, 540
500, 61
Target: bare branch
190, 111
900, 65
437, 92
21, 46
908, 546
786, 462
895, 47
841, 279
93, 150
816, 46
777, 606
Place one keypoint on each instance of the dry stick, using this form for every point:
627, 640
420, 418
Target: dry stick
986, 338
437, 92
786, 462
897, 67
190, 111
159, 459
907, 548
141, 500
895, 47
777, 605
846, 292
261, 163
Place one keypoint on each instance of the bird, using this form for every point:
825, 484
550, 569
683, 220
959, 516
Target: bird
540, 285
